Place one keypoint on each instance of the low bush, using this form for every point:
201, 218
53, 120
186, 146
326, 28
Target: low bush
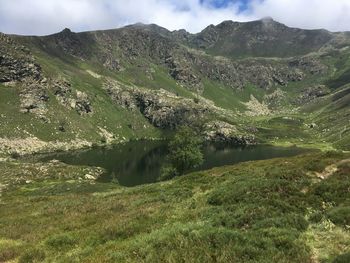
15, 155
343, 258
61, 241
167, 173
340, 215
32, 255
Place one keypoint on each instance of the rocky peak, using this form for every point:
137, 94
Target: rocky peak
69, 41
227, 24
181, 35
66, 31
152, 28
263, 38
67, 35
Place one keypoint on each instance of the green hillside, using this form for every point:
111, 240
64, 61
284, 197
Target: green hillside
240, 84
66, 80
280, 210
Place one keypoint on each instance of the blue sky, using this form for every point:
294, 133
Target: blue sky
243, 4
40, 17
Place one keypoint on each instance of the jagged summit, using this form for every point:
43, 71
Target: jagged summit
263, 38
66, 30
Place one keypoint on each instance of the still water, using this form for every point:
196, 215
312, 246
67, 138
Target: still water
140, 162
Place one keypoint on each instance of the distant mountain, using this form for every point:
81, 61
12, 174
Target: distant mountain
262, 38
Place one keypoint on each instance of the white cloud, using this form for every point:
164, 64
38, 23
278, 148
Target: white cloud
333, 15
49, 16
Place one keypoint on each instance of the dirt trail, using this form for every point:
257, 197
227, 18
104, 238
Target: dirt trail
331, 169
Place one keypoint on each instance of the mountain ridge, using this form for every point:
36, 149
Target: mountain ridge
240, 72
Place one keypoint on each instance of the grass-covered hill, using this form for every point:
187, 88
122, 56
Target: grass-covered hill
280, 210
244, 83
140, 81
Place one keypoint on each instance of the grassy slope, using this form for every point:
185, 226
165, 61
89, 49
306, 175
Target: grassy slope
332, 115
106, 114
117, 120
266, 211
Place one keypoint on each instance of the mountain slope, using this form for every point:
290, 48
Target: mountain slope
261, 38
279, 210
142, 81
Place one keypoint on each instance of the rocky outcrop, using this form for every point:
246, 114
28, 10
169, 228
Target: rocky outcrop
311, 93
77, 100
121, 96
308, 64
256, 108
219, 131
274, 100
163, 109
62, 90
33, 97
82, 103
262, 74
13, 69
19, 68
16, 62
167, 111
111, 63
32, 144
182, 72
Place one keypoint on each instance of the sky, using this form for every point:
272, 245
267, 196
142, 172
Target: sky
42, 17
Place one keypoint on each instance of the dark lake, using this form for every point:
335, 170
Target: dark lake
139, 162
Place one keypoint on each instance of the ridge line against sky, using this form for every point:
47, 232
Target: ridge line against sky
41, 17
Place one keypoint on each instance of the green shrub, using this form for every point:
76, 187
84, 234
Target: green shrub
185, 150
315, 165
295, 221
32, 255
316, 217
167, 173
61, 241
343, 258
15, 155
340, 215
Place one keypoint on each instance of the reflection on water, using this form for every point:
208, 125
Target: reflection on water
140, 162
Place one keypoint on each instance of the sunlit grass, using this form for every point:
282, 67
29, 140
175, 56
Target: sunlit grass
262, 211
